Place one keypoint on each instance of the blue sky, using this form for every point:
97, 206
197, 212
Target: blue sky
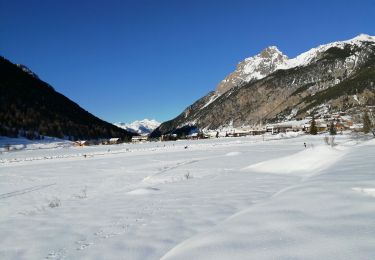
128, 60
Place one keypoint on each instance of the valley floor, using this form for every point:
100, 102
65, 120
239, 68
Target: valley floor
230, 198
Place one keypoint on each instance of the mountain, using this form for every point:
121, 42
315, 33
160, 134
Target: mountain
27, 70
270, 87
142, 127
31, 107
254, 68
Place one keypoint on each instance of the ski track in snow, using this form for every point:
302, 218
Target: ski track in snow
24, 191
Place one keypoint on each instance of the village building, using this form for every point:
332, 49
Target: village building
193, 136
81, 143
114, 140
322, 127
139, 138
284, 128
357, 127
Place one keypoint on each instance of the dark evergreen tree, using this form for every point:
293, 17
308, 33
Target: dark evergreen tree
332, 129
313, 128
366, 123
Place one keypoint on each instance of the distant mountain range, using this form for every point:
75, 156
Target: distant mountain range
30, 107
142, 127
270, 87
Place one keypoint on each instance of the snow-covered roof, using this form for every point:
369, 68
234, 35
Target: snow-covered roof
138, 137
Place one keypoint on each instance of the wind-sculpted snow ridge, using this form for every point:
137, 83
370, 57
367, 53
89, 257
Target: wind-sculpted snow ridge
322, 217
310, 161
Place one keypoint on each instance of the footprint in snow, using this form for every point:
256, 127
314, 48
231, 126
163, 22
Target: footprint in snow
59, 254
82, 244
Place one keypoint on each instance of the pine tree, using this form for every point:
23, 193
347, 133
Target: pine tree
313, 128
332, 129
366, 123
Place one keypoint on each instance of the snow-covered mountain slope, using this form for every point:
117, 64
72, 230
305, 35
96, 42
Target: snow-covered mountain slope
313, 54
272, 59
145, 126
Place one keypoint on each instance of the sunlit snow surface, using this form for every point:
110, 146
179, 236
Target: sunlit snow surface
227, 198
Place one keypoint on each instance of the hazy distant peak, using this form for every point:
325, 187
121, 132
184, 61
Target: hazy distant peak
145, 126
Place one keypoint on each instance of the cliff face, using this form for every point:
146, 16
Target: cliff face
254, 68
339, 75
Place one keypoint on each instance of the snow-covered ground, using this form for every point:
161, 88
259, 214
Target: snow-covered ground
17, 144
226, 198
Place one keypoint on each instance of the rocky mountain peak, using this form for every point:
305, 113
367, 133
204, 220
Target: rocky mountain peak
270, 52
254, 68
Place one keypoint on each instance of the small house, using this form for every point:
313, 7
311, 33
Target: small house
81, 143
195, 136
322, 127
115, 140
340, 126
139, 138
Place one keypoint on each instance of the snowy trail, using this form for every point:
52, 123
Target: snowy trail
308, 162
24, 191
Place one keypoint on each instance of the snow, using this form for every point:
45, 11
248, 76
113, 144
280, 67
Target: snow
143, 191
212, 99
286, 135
309, 161
233, 153
307, 57
356, 99
252, 64
162, 201
14, 144
367, 191
292, 123
260, 66
27, 70
318, 218
145, 126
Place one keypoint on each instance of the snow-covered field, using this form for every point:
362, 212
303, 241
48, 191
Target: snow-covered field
226, 198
